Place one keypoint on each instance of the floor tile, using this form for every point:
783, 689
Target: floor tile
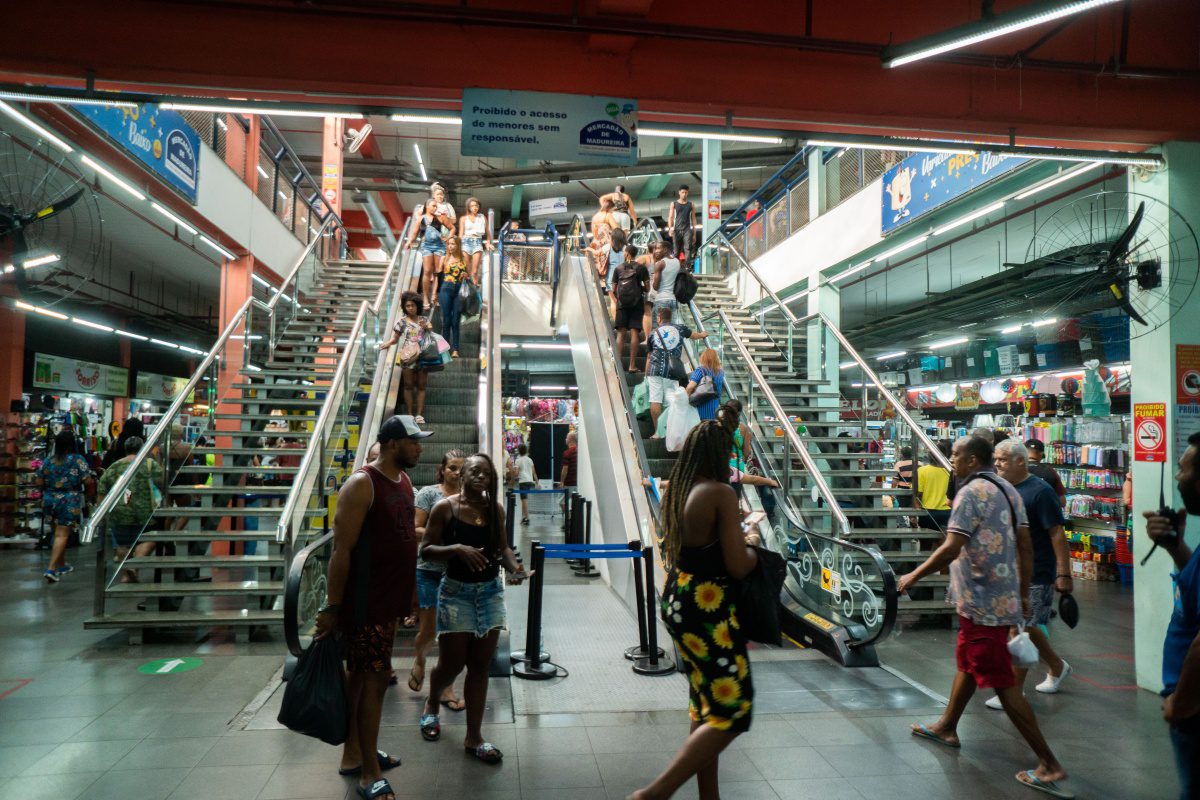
248, 747
193, 725
552, 741
817, 789
223, 783
558, 772
136, 784
790, 763
65, 786
14, 759
81, 757
640, 739
172, 753
41, 731
301, 782
870, 759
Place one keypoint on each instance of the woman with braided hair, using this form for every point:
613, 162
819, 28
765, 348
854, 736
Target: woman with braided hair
707, 552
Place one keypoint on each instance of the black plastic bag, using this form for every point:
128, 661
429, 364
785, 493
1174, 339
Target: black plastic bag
469, 301
758, 599
314, 702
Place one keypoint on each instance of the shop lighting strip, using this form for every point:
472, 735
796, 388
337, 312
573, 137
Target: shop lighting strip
87, 323
261, 171
26, 97
974, 215
256, 110
890, 356
949, 342
171, 216
106, 172
39, 261
703, 134
420, 162
228, 255
432, 119
933, 147
897, 250
35, 127
1123, 366
1064, 177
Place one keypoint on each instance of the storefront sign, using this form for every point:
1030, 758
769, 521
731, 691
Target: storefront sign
1187, 373
160, 139
924, 181
69, 375
1187, 422
547, 207
968, 398
1150, 432
330, 184
159, 387
549, 127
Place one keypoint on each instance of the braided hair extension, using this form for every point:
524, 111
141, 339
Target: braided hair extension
705, 456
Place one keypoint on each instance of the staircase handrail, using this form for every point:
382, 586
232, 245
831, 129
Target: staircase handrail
750, 270
161, 431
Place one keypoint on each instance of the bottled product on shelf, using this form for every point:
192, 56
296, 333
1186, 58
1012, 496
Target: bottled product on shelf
1094, 555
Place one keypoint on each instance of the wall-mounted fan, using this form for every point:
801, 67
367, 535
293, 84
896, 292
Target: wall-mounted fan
50, 221
1128, 260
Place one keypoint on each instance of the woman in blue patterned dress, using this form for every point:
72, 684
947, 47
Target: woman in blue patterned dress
63, 478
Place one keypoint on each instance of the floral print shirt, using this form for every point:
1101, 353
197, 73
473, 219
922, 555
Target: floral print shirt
984, 584
66, 476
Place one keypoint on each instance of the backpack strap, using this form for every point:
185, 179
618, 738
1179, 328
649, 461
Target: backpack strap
987, 476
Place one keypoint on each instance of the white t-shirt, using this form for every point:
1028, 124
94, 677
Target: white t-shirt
524, 469
475, 227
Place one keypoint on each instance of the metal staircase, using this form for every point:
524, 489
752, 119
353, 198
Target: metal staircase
284, 381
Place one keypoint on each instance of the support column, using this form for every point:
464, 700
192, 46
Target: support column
823, 349
236, 288
332, 145
123, 406
1153, 357
710, 211
816, 184
12, 352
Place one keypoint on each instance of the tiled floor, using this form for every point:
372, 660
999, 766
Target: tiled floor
78, 721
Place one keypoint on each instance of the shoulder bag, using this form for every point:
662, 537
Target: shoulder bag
758, 598
705, 391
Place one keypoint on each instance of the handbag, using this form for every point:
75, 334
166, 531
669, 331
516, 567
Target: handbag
758, 598
705, 391
429, 346
314, 702
470, 304
409, 353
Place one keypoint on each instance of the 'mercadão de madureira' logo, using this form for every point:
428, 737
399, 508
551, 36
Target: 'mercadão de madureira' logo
610, 136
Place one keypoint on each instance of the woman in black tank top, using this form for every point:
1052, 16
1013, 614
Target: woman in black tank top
466, 531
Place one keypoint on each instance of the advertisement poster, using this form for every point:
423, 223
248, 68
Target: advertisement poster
546, 126
69, 375
547, 207
1150, 432
162, 140
1187, 373
924, 181
330, 184
158, 387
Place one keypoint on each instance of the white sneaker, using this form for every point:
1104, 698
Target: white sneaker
1051, 684
994, 703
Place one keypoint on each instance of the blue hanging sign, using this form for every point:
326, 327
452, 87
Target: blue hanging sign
162, 140
924, 181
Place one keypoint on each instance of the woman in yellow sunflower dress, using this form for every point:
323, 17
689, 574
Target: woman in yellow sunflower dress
707, 552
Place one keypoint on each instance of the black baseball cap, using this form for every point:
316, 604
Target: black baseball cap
1035, 444
401, 426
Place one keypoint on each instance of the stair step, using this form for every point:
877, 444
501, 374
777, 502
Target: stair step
182, 619
192, 469
224, 491
277, 387
197, 589
261, 417
865, 512
249, 434
201, 512
207, 537
246, 451
274, 401
204, 562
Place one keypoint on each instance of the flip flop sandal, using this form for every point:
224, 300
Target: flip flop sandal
386, 762
923, 732
431, 727
379, 788
412, 678
1049, 787
487, 752
450, 704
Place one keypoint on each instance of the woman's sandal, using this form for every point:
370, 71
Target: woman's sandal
413, 677
487, 752
454, 703
380, 788
431, 727
386, 762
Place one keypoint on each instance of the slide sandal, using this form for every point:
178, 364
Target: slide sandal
377, 789
386, 762
487, 752
454, 704
923, 732
431, 727
1049, 787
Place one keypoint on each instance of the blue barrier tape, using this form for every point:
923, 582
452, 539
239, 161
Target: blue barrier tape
564, 546
577, 554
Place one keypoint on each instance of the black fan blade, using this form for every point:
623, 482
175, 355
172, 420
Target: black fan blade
8, 218
1120, 248
19, 249
60, 206
1123, 301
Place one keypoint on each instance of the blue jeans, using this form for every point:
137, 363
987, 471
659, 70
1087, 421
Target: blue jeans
1186, 741
451, 313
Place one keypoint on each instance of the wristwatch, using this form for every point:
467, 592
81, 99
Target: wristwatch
328, 609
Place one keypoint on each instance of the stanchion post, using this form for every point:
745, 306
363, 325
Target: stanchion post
534, 667
575, 532
510, 508
639, 650
656, 662
583, 567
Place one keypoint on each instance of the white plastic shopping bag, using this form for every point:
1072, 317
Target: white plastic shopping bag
1022, 649
682, 417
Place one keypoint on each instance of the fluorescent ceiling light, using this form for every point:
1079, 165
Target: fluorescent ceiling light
724, 137
908, 146
171, 216
192, 350
983, 212
847, 364
432, 119
253, 368
857, 385
89, 324
1066, 176
137, 336
43, 311
509, 345
100, 168
164, 344
851, 271
26, 97
221, 124
252, 110
1037, 13
1072, 374
261, 171
40, 261
1041, 323
888, 356
547, 388
1011, 329
420, 161
230, 256
895, 250
282, 196
1107, 158
259, 279
949, 342
35, 127
794, 297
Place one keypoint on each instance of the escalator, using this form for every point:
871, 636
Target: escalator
840, 596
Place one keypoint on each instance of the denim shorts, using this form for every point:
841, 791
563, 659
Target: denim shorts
472, 245
1041, 601
471, 607
428, 581
433, 248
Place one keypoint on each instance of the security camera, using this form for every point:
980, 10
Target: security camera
355, 138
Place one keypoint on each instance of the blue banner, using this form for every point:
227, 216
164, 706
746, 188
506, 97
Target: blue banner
544, 126
161, 140
924, 181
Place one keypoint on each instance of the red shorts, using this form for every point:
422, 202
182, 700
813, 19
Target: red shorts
982, 653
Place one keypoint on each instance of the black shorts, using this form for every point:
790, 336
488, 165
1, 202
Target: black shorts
629, 317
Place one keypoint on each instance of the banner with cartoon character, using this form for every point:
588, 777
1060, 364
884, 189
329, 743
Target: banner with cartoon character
924, 181
70, 375
160, 139
164, 388
545, 126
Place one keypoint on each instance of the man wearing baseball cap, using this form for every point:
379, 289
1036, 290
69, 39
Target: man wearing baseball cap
372, 573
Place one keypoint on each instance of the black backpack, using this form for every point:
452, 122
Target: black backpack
629, 288
685, 287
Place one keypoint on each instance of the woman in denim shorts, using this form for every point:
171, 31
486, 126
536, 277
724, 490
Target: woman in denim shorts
466, 531
429, 576
428, 229
473, 230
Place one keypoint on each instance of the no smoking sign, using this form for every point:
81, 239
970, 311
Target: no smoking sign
1150, 432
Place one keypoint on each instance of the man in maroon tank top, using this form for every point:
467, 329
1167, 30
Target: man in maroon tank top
372, 574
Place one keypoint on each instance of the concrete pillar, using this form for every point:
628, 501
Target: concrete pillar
12, 349
123, 405
1153, 357
332, 145
822, 349
816, 185
710, 209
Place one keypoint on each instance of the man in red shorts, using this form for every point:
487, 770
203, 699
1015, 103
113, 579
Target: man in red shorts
372, 575
990, 556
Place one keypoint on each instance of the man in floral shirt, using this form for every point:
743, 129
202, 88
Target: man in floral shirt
990, 556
